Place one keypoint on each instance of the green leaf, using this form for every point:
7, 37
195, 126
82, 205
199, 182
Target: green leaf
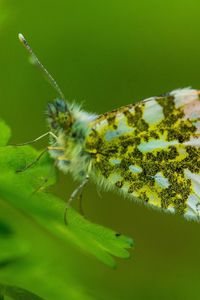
18, 190
98, 240
23, 194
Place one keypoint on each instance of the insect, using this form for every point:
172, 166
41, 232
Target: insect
149, 151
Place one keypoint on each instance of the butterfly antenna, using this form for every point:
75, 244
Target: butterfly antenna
40, 65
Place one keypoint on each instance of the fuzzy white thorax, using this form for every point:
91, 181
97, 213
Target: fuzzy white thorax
72, 157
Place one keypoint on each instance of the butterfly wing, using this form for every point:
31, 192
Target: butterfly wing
151, 151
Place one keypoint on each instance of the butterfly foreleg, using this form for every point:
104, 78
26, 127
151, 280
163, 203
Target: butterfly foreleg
39, 157
37, 139
42, 153
33, 162
77, 192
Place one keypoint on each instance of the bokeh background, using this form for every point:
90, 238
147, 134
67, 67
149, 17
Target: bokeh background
106, 54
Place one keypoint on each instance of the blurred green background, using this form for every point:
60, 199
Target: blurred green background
106, 54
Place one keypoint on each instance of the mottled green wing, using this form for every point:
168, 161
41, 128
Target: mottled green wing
151, 151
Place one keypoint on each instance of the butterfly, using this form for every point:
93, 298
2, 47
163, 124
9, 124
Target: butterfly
148, 151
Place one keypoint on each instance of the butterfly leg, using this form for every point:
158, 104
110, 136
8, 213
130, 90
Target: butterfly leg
39, 157
33, 162
76, 192
37, 139
80, 198
41, 154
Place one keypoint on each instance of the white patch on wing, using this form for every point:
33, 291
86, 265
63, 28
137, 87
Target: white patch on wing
192, 110
153, 112
195, 142
115, 161
122, 128
101, 124
155, 144
192, 202
184, 96
135, 169
192, 207
162, 181
195, 178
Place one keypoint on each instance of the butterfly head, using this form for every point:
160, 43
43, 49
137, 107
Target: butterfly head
59, 116
70, 126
